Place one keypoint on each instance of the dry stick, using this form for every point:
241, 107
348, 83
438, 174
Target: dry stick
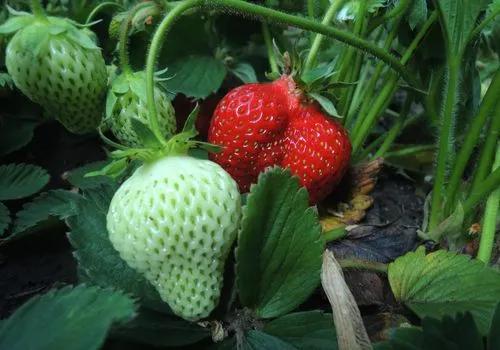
351, 332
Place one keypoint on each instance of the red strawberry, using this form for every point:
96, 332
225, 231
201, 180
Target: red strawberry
260, 125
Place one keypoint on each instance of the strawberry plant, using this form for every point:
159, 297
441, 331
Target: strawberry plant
265, 174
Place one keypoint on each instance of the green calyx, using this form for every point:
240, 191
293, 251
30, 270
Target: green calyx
315, 84
36, 31
177, 145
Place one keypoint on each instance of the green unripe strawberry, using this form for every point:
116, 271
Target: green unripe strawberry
174, 220
127, 99
59, 67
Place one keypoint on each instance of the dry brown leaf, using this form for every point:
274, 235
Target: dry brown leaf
351, 332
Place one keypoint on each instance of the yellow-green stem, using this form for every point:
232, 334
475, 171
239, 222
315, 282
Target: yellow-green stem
318, 38
445, 142
488, 228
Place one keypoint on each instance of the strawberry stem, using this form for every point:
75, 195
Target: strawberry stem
124, 37
246, 8
101, 7
489, 219
318, 38
37, 9
269, 46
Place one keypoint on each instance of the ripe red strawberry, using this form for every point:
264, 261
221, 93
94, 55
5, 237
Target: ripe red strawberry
260, 125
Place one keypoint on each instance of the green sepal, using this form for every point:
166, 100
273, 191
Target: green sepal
138, 85
13, 24
190, 123
326, 104
113, 169
144, 133
111, 99
316, 74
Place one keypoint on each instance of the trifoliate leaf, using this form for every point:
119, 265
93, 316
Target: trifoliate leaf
69, 318
444, 283
196, 76
4, 218
280, 246
57, 203
21, 180
305, 330
245, 73
98, 261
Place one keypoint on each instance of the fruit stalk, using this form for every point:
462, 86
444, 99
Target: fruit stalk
488, 104
37, 9
269, 46
318, 38
445, 141
489, 219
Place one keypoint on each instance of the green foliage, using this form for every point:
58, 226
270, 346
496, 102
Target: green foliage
310, 330
56, 203
280, 246
158, 329
457, 333
417, 13
196, 76
77, 178
254, 340
69, 318
444, 283
98, 262
245, 72
21, 180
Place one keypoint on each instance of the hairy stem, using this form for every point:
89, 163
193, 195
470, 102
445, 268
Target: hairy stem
123, 37
101, 7
492, 15
318, 38
445, 142
243, 7
37, 9
490, 219
487, 107
491, 183
395, 130
269, 46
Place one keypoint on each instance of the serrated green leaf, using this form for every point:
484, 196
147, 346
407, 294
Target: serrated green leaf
443, 283
69, 318
77, 178
21, 180
326, 104
4, 218
56, 203
157, 329
458, 19
144, 133
417, 13
245, 72
309, 330
196, 76
257, 340
280, 246
16, 133
97, 259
